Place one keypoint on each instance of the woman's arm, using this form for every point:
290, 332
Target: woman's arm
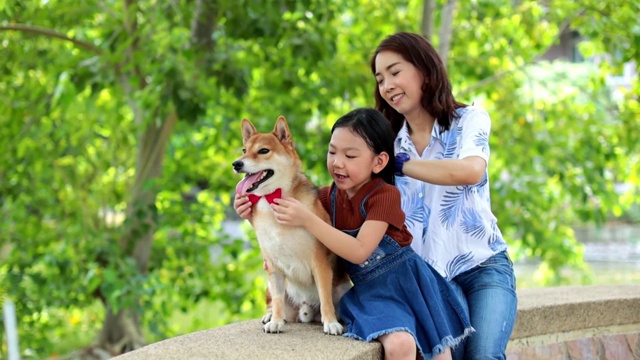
470, 165
290, 212
467, 171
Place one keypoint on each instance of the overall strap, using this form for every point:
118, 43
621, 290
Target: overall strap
334, 192
364, 200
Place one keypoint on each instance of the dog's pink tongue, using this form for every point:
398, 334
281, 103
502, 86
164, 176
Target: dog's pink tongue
246, 183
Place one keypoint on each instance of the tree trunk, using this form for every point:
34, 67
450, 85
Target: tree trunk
427, 19
446, 30
121, 330
203, 24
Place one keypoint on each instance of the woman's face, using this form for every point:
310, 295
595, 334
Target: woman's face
399, 82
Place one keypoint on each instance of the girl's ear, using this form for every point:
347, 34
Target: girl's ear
380, 162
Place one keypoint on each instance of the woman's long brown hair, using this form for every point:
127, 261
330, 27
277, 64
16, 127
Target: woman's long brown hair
437, 97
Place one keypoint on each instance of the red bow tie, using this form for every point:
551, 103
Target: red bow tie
270, 197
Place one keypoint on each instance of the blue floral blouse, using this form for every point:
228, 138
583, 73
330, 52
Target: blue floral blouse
453, 227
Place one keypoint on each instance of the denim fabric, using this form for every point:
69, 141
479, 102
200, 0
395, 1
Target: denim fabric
395, 290
385, 257
490, 291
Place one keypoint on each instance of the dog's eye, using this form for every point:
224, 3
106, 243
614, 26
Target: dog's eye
263, 151
244, 151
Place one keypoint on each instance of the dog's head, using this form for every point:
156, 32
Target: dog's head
269, 160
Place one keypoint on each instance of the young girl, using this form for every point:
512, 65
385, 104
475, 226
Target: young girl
443, 149
397, 298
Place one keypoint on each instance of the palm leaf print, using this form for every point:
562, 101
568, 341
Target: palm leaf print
404, 144
451, 205
413, 212
452, 142
481, 140
495, 237
472, 223
483, 182
479, 187
411, 202
461, 111
425, 223
458, 262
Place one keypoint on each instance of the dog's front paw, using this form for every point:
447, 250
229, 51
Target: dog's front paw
267, 317
274, 326
334, 328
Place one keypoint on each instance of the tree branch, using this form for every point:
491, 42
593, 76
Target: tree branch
130, 25
37, 30
427, 19
151, 152
446, 30
203, 24
496, 77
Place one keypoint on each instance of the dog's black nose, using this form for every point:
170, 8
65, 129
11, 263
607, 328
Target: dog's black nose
237, 165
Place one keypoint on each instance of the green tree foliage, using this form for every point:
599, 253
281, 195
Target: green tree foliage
120, 121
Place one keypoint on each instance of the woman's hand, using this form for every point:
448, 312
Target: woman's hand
242, 205
290, 211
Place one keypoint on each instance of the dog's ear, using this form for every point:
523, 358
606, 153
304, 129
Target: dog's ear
281, 130
247, 130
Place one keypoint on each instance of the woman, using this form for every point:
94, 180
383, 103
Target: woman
443, 155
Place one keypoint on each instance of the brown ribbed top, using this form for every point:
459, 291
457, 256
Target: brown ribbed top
383, 204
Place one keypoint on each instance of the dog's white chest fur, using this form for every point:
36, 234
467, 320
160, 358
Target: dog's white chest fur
291, 249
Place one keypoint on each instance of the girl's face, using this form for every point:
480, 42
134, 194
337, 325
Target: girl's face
399, 82
351, 162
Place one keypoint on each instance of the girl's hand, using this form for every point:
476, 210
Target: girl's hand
242, 205
290, 211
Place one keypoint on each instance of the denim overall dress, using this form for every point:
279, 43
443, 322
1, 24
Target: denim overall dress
396, 290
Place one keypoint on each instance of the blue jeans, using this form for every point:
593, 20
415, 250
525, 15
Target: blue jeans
490, 291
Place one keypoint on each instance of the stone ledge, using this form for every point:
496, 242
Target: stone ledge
573, 308
246, 340
610, 347
545, 316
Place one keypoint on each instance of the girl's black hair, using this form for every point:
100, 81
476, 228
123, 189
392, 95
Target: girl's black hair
437, 96
376, 131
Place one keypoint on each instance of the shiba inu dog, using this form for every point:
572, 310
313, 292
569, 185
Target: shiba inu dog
302, 272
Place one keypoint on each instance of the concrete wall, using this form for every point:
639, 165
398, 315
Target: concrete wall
576, 322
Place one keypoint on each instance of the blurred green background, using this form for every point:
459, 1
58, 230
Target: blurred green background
119, 121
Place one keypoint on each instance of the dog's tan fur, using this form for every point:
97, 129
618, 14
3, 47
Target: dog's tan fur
300, 268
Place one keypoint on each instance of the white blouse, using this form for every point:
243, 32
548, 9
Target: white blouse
463, 231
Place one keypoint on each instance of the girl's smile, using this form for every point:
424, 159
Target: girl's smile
350, 161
